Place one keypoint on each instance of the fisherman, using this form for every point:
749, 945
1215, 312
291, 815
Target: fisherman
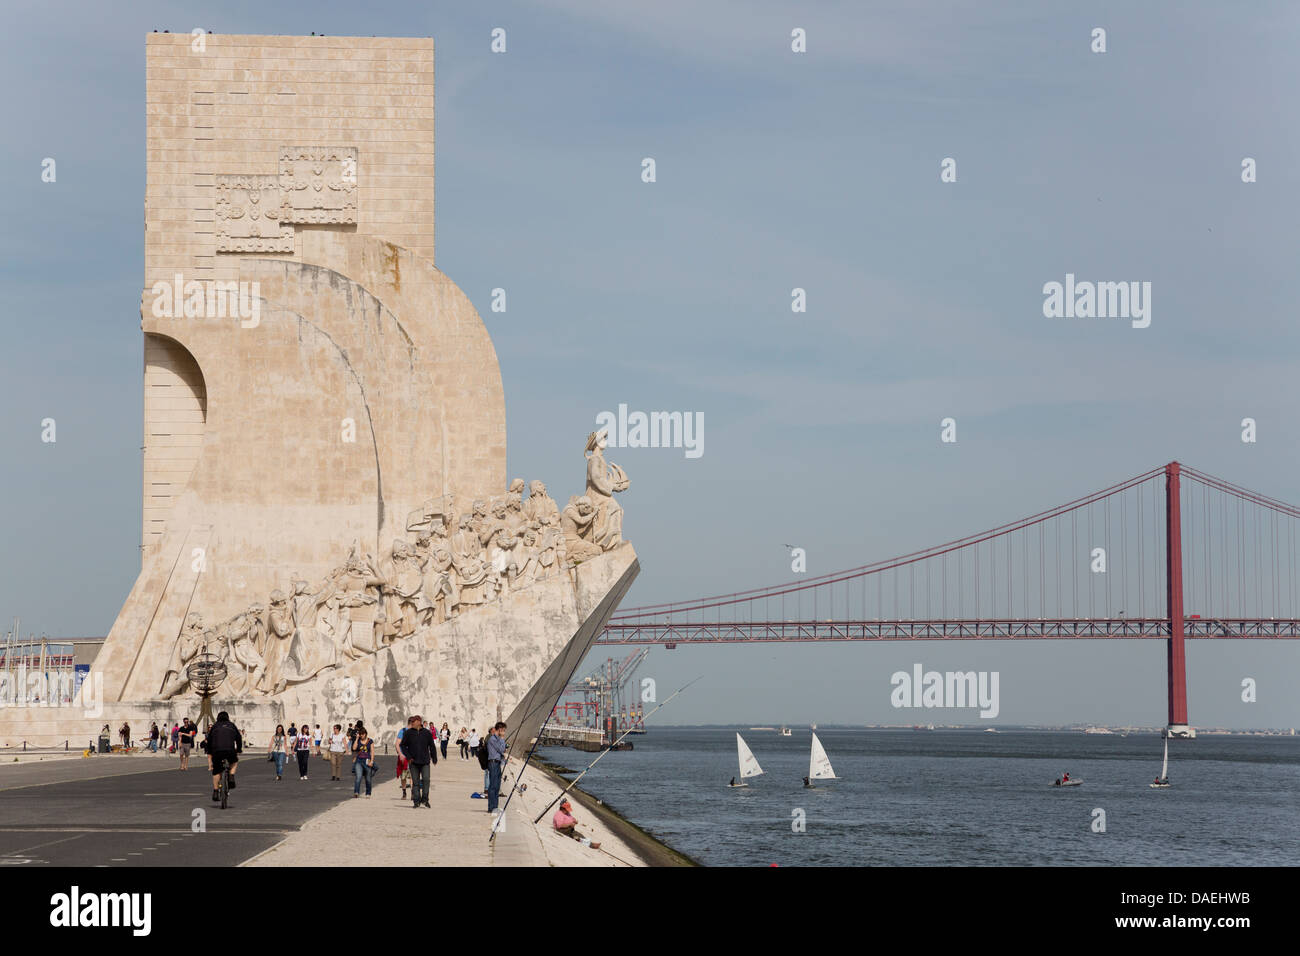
733, 782
1065, 778
806, 782
496, 747
565, 823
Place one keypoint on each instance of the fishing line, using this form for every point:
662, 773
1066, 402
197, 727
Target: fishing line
575, 780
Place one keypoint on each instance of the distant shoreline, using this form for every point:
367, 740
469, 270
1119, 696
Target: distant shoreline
1001, 728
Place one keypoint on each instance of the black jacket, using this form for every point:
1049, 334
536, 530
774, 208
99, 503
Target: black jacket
483, 751
224, 736
418, 746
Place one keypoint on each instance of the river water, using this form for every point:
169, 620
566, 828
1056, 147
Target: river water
957, 797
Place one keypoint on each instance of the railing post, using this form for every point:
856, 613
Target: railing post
1177, 664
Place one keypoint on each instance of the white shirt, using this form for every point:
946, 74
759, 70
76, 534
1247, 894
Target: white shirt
338, 743
473, 740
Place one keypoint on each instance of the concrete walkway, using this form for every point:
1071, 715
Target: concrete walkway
386, 830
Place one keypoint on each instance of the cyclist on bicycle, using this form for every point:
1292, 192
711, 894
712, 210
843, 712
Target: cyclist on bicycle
223, 742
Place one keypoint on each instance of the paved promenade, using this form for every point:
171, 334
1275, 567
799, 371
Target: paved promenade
141, 810
386, 831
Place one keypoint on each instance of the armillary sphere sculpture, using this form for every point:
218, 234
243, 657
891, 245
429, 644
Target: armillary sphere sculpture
206, 672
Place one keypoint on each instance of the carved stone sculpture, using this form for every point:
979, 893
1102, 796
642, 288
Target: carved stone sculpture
539, 503
604, 480
577, 521
188, 643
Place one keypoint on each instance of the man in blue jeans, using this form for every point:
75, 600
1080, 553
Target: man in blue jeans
417, 746
496, 744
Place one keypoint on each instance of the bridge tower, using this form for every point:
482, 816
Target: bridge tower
1178, 726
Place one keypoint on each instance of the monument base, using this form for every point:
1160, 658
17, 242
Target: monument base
470, 671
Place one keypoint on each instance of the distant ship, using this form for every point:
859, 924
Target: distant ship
785, 731
1098, 730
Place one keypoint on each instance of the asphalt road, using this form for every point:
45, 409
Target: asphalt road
121, 811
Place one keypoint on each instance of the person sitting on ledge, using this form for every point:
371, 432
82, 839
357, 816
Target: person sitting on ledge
566, 823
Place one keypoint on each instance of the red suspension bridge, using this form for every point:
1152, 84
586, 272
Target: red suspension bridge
1171, 554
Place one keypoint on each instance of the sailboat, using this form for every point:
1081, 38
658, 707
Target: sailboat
1162, 782
819, 765
748, 763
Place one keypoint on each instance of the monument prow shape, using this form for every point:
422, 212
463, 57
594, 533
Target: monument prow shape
325, 492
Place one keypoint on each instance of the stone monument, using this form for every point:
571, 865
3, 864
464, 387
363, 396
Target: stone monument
325, 497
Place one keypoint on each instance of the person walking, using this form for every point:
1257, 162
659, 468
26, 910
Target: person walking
188, 732
473, 744
444, 736
462, 741
302, 747
293, 729
338, 745
153, 737
363, 762
125, 734
176, 733
480, 752
420, 750
278, 750
352, 735
496, 756
316, 736
403, 765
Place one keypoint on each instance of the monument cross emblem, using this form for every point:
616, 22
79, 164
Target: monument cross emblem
315, 184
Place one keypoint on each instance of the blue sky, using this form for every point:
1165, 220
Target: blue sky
775, 170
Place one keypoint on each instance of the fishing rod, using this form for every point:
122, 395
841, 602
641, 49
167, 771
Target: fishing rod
496, 823
574, 781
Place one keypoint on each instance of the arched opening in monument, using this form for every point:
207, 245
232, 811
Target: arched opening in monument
175, 414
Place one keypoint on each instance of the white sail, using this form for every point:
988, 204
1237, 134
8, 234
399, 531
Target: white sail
748, 764
819, 765
1164, 767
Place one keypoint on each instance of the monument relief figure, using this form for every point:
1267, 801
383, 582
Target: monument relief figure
312, 648
404, 599
604, 480
467, 559
361, 583
539, 503
279, 634
550, 545
440, 584
503, 558
240, 636
188, 644
577, 522
481, 523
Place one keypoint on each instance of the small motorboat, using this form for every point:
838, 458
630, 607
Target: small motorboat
1067, 781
